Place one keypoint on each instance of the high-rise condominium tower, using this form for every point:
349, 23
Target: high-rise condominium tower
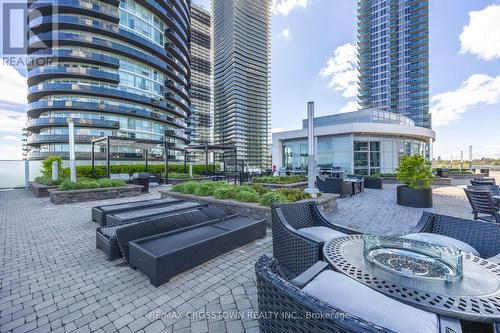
121, 68
393, 51
242, 45
201, 76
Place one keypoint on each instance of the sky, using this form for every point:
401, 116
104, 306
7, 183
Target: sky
314, 59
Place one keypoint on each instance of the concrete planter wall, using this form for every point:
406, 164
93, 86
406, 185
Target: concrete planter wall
65, 197
414, 197
300, 185
327, 202
40, 190
180, 181
435, 182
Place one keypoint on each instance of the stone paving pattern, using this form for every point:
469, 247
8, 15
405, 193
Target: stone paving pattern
53, 279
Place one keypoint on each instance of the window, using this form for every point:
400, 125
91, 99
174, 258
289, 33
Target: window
367, 157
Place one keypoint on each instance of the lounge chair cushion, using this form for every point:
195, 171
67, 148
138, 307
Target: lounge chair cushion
321, 234
442, 240
495, 259
354, 298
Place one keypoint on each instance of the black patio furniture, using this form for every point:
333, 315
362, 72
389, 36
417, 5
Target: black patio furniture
142, 178
358, 183
482, 236
162, 256
483, 181
299, 232
302, 305
494, 189
474, 297
100, 213
144, 213
334, 185
484, 207
106, 237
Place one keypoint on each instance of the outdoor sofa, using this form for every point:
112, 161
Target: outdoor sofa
164, 255
100, 213
334, 185
107, 236
321, 300
299, 233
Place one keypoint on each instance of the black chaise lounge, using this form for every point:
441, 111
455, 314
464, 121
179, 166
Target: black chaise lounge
299, 233
106, 237
100, 213
144, 213
165, 255
321, 300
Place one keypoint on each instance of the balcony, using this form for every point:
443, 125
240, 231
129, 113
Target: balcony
36, 124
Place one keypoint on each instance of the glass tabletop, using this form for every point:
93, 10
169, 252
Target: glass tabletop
418, 259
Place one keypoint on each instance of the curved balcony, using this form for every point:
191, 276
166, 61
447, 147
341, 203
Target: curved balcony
39, 107
38, 139
177, 135
36, 124
47, 23
76, 7
166, 12
83, 57
37, 75
41, 90
42, 155
67, 38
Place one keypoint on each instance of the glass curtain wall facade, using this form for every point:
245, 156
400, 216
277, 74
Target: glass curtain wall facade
119, 68
242, 46
201, 120
393, 57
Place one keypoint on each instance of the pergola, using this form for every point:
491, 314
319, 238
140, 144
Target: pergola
133, 143
214, 149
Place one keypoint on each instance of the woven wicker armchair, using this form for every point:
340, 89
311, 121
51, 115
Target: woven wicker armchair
284, 307
294, 251
483, 205
482, 236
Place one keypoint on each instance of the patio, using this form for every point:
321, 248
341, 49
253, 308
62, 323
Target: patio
54, 279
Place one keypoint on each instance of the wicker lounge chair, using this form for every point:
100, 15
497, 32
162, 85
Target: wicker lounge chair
482, 236
299, 232
483, 205
489, 181
164, 255
107, 240
334, 185
494, 189
100, 213
309, 303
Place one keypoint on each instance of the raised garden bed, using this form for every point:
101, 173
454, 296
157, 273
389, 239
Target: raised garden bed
435, 182
40, 190
327, 202
64, 197
180, 181
300, 185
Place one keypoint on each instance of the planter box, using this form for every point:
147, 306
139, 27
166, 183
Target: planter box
417, 198
299, 185
435, 182
180, 181
40, 190
327, 202
374, 183
65, 197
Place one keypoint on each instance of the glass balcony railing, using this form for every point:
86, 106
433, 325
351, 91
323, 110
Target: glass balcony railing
38, 123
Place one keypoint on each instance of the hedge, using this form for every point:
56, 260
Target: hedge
100, 170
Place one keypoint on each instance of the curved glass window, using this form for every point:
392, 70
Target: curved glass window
139, 20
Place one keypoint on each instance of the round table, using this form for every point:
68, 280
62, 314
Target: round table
475, 297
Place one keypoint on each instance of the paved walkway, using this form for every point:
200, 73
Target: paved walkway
52, 278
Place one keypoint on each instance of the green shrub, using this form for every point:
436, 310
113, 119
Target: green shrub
271, 198
259, 189
279, 180
47, 165
47, 181
294, 195
225, 192
185, 188
206, 188
415, 172
247, 196
374, 176
68, 185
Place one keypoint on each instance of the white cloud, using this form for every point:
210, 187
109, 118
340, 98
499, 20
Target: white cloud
284, 7
285, 34
350, 107
13, 86
12, 122
481, 36
341, 70
479, 89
